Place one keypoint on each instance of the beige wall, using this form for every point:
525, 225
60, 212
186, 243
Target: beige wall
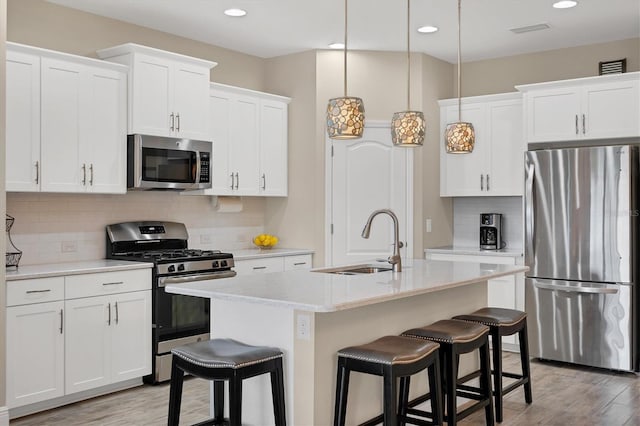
43, 24
501, 75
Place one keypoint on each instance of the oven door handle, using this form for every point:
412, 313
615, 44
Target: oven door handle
163, 281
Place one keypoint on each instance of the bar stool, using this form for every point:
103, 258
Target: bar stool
505, 322
459, 337
390, 357
226, 360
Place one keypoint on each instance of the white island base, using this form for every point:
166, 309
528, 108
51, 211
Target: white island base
311, 315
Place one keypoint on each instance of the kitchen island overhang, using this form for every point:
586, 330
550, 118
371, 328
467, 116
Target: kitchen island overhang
310, 315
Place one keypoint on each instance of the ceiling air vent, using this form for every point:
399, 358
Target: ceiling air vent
613, 67
529, 28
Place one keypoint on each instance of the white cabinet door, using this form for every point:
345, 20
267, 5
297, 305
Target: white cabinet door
190, 101
35, 353
464, 174
103, 146
504, 133
273, 148
130, 329
22, 122
220, 131
611, 110
244, 145
151, 96
553, 114
87, 343
62, 112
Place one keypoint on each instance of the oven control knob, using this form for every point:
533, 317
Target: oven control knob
181, 267
223, 263
171, 268
215, 264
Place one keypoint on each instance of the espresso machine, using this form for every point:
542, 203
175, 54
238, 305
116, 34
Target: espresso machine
491, 231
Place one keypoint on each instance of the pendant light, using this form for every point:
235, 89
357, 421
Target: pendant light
459, 137
408, 127
345, 115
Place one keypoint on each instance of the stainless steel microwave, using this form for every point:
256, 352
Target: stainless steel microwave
155, 162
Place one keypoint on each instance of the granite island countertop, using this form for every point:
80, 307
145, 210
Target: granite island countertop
324, 292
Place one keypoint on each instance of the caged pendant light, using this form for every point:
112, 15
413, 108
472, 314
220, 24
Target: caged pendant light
345, 115
408, 127
459, 137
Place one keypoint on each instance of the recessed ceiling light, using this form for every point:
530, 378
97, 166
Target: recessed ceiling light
236, 13
336, 46
427, 29
565, 4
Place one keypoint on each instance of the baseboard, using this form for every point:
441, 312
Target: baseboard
4, 416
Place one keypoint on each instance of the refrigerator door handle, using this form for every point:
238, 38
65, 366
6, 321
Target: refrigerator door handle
588, 290
529, 225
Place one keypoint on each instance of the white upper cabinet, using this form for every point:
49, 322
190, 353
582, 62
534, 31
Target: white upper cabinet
249, 133
495, 167
23, 121
168, 94
587, 108
66, 122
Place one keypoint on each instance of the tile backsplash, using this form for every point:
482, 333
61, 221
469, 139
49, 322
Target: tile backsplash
52, 228
466, 219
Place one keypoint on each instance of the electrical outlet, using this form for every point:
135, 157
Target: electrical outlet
205, 239
69, 247
303, 327
428, 225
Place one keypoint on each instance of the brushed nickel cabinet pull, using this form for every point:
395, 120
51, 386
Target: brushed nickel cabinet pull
178, 122
481, 182
172, 118
61, 320
117, 316
37, 172
264, 182
259, 267
84, 174
299, 263
38, 291
113, 283
577, 124
487, 182
91, 174
237, 179
109, 309
584, 127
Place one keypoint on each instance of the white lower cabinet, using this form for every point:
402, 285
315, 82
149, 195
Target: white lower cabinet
74, 333
272, 264
504, 292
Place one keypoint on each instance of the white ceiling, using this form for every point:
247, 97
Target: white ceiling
279, 27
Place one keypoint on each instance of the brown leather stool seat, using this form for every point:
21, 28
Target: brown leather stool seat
223, 360
458, 337
390, 357
505, 322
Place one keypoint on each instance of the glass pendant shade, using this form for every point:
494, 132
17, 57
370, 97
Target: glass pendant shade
459, 138
345, 118
407, 129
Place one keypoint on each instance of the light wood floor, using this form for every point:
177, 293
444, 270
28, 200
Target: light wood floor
563, 395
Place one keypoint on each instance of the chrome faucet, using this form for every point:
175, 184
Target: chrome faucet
394, 259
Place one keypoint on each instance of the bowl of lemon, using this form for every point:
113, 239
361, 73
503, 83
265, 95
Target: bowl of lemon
265, 241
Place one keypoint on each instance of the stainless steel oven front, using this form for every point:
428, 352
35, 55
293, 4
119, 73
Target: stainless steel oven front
155, 162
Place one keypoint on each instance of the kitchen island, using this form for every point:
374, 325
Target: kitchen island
310, 315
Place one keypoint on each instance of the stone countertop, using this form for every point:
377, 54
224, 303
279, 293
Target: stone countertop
476, 251
324, 292
256, 253
72, 268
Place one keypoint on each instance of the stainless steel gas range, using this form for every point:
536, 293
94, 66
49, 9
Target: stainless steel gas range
176, 319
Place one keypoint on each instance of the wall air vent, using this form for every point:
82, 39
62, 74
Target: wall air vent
529, 28
618, 66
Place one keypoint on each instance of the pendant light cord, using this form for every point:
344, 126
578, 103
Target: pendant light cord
345, 48
459, 78
408, 58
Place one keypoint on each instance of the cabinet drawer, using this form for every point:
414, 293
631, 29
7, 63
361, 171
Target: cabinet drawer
24, 292
98, 284
302, 261
259, 266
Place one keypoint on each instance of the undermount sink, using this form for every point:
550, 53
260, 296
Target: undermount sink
354, 269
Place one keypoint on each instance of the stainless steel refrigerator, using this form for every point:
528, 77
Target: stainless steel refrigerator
581, 230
